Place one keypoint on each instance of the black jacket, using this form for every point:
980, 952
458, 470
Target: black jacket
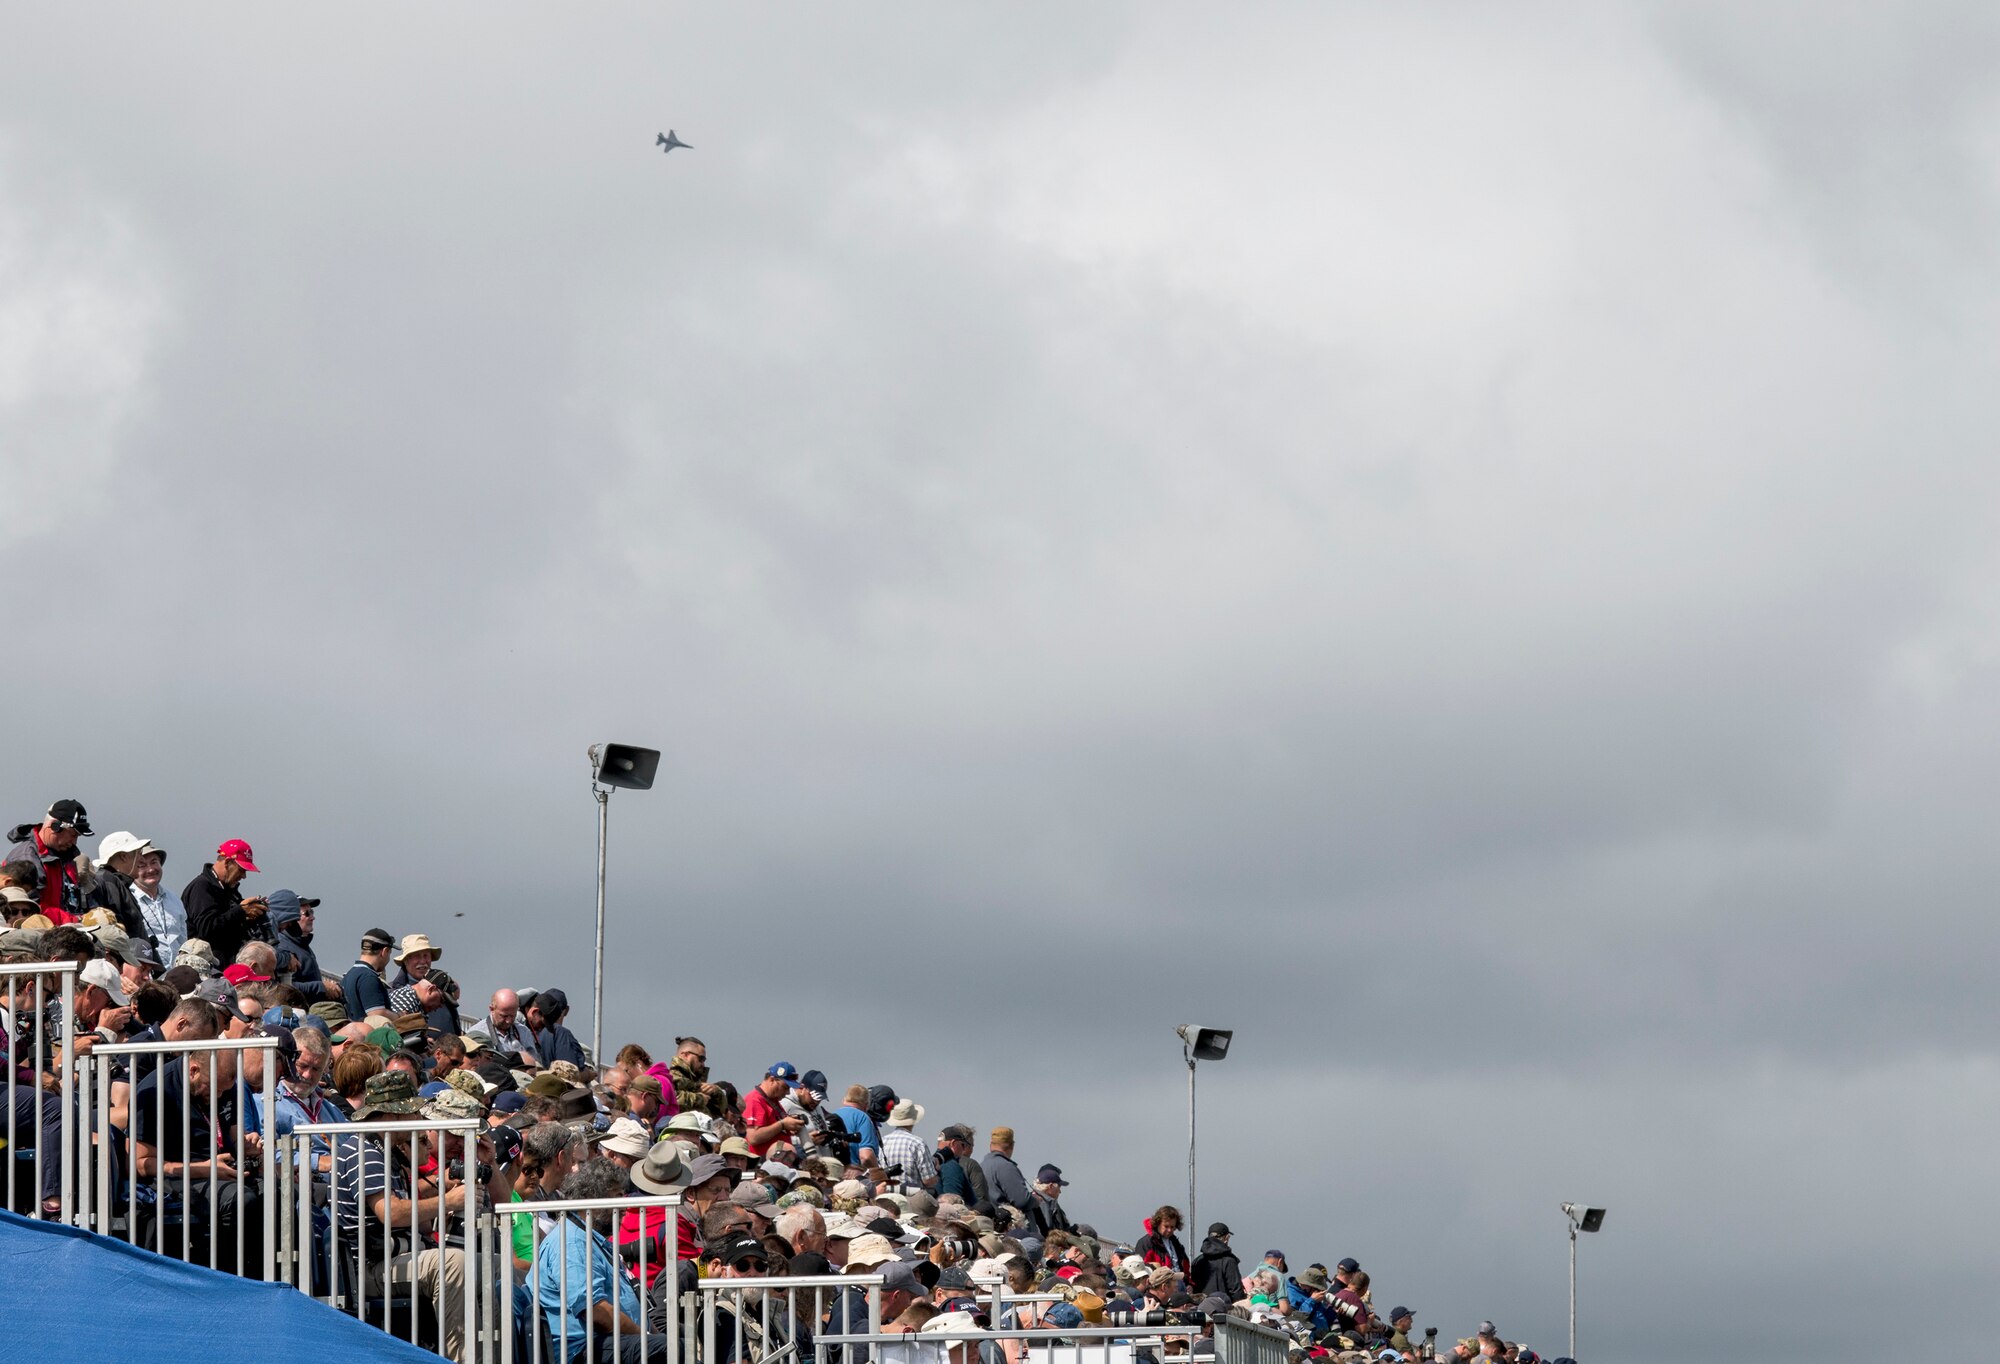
1216, 1270
215, 915
113, 891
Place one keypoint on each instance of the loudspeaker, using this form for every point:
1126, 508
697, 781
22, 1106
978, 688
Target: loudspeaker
626, 766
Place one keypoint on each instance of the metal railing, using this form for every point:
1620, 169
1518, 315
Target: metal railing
338, 1245
772, 1319
545, 1323
1238, 1341
33, 1070
217, 1198
1045, 1345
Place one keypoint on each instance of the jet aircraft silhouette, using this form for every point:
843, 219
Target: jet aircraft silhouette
669, 141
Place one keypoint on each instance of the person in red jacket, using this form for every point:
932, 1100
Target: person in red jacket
1160, 1245
50, 848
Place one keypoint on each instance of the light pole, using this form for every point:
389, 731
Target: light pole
1581, 1218
1198, 1044
611, 765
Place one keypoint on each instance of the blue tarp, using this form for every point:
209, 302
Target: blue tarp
66, 1294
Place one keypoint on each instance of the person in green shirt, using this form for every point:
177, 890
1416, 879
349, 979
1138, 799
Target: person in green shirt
548, 1154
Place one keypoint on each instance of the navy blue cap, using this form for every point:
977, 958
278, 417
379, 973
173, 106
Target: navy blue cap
1049, 1174
783, 1070
815, 1080
1349, 1265
432, 1090
509, 1101
1397, 1314
506, 1143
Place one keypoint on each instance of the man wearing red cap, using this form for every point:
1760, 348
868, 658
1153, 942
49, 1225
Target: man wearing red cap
217, 912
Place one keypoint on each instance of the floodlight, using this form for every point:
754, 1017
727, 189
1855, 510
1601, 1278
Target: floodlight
1205, 1044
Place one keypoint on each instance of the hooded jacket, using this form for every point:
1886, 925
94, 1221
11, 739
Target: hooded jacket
1217, 1270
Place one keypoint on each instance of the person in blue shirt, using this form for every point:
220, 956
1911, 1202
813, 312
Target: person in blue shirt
853, 1115
584, 1297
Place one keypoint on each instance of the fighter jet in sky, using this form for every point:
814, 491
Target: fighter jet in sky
668, 141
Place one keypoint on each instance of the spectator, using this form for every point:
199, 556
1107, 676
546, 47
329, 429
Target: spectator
626, 1142
955, 1164
217, 911
176, 1146
362, 989
1402, 1321
902, 1148
1350, 1303
135, 960
1308, 1298
503, 1028
578, 1285
693, 1091
865, 1141
554, 1042
1045, 1210
662, 1171
1216, 1269
50, 848
292, 919
1004, 1180
1161, 1245
548, 1154
117, 856
645, 1101
764, 1118
162, 914
374, 1193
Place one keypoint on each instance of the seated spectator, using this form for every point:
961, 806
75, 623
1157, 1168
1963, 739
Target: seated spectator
363, 989
504, 1029
185, 1138
374, 1192
554, 1042
579, 1288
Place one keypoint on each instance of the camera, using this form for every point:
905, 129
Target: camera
1128, 1317
456, 1170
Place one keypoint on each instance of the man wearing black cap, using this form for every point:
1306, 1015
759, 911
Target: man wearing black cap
1045, 1209
363, 989
1216, 1269
554, 1042
50, 846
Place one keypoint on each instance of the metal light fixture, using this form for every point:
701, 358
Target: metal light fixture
1581, 1218
1198, 1044
633, 769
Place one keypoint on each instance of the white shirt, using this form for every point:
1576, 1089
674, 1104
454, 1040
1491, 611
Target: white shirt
165, 918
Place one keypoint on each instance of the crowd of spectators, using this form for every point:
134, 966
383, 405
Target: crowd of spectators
786, 1176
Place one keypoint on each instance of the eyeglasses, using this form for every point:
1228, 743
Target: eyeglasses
759, 1265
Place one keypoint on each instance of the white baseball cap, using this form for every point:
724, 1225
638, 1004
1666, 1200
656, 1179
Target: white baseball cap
105, 977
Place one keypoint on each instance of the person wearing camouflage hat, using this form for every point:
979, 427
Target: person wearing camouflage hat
391, 1201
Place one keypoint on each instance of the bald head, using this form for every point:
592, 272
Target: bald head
503, 1010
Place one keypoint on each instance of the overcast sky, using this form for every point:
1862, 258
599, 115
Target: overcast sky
1457, 541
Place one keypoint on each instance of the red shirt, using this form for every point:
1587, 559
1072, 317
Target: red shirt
760, 1110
